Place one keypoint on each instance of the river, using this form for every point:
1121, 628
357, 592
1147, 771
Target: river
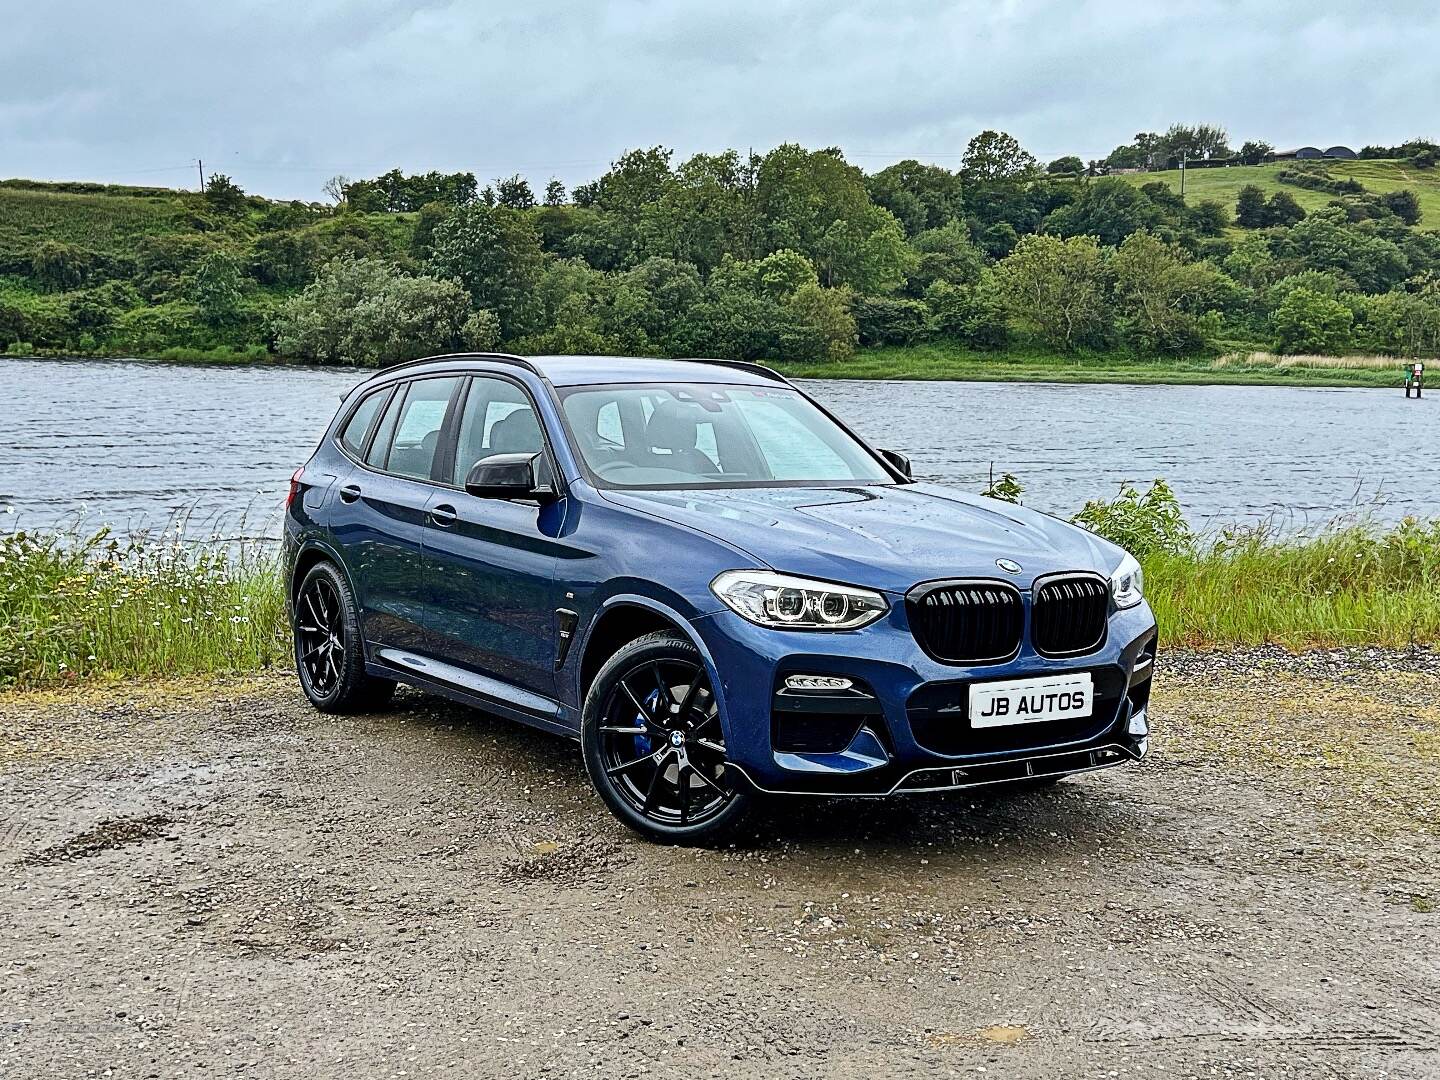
136, 445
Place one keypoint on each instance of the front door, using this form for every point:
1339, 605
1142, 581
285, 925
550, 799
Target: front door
492, 593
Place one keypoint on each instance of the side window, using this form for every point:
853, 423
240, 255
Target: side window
417, 425
352, 436
497, 419
380, 444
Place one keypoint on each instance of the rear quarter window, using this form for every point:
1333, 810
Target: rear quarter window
353, 434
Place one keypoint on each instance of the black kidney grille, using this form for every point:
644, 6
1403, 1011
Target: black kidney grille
1068, 615
967, 622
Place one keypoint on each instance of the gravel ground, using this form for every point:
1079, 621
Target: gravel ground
210, 879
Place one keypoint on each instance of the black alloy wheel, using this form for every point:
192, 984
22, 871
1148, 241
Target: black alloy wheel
329, 654
653, 742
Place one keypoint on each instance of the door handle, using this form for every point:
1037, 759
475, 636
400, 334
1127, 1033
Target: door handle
349, 493
444, 515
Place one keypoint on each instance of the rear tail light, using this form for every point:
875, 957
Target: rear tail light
295, 486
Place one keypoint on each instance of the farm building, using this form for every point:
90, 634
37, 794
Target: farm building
1311, 153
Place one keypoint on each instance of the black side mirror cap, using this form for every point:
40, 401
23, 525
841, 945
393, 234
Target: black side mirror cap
507, 476
897, 461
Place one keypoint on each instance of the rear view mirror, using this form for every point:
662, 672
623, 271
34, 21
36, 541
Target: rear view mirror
897, 460
507, 476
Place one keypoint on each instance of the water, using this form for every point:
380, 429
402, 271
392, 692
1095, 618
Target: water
133, 444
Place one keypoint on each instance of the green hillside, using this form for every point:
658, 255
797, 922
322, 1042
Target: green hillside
100, 220
1223, 185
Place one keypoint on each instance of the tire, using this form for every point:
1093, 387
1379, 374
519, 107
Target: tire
329, 649
653, 745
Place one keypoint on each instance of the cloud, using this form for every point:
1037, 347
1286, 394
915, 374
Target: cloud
282, 95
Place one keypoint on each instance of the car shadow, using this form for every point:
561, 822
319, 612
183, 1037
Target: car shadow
1024, 819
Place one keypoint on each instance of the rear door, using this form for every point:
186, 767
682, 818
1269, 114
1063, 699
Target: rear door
381, 512
492, 591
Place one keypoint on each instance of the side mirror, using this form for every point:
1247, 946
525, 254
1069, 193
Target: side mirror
507, 476
898, 461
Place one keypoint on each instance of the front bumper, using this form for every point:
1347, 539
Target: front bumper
915, 736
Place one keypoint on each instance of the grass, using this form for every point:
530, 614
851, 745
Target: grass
1223, 185
102, 222
1348, 585
75, 607
1021, 364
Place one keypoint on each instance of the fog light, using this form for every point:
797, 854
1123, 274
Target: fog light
1139, 723
817, 682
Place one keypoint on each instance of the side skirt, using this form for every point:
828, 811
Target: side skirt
467, 688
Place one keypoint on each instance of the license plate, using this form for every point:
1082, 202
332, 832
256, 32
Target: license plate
1031, 701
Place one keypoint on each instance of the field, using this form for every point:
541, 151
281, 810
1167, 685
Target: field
1223, 185
1018, 364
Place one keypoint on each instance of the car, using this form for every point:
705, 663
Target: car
698, 572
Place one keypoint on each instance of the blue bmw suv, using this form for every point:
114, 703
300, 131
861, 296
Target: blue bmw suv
697, 571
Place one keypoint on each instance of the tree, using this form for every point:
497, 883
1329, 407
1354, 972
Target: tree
1254, 151
920, 196
1309, 322
995, 157
514, 193
1282, 209
706, 212
1056, 289
1327, 240
1403, 204
815, 203
1143, 153
1161, 300
224, 196
364, 311
554, 193
494, 252
334, 188
1195, 142
1070, 163
945, 254
1109, 208
1250, 208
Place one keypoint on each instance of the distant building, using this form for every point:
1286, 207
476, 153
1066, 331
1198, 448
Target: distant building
1311, 153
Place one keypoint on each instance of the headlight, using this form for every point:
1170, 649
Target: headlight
795, 603
1127, 583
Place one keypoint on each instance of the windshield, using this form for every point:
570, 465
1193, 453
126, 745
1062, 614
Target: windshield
692, 436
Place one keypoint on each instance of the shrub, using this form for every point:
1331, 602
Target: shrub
1142, 523
363, 311
883, 320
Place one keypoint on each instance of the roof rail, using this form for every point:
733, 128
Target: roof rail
739, 365
506, 358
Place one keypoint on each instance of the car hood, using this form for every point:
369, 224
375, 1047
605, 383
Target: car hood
886, 538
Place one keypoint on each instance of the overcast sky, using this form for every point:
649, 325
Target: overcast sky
282, 94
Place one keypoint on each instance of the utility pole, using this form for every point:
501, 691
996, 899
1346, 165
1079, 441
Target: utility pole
1184, 156
199, 164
